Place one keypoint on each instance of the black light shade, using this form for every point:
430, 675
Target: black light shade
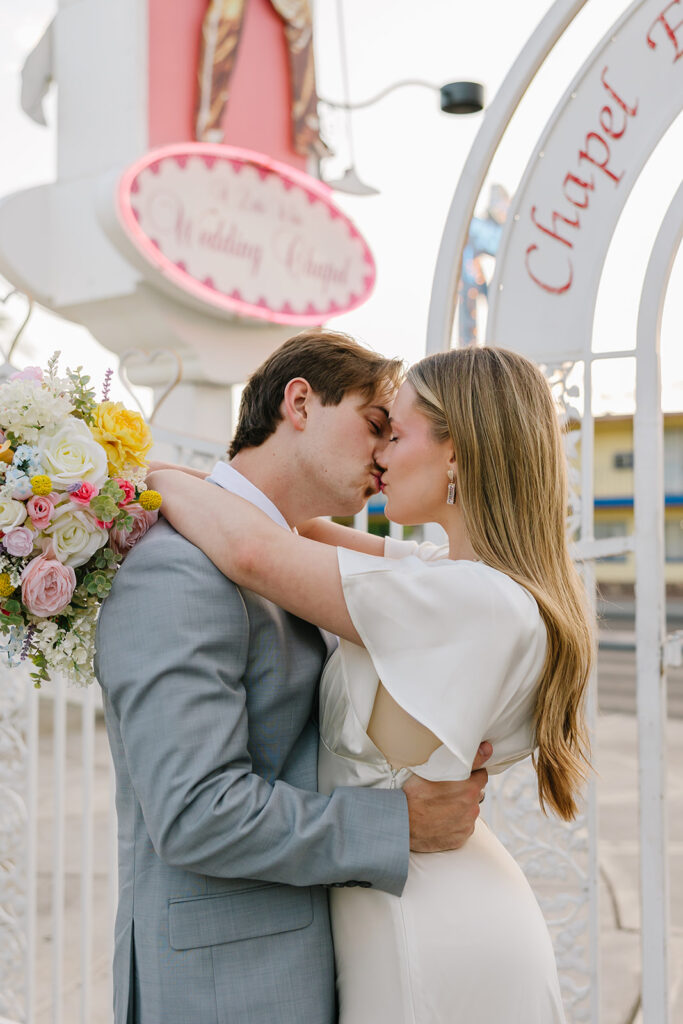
462, 97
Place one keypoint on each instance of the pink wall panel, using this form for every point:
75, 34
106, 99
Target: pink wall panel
258, 113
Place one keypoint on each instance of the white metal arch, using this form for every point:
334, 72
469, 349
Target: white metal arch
494, 125
652, 651
554, 325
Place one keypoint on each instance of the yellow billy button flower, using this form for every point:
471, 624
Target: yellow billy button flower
41, 484
6, 587
150, 501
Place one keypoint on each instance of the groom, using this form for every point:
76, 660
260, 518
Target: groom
225, 847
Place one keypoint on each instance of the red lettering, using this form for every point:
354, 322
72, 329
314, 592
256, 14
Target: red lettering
585, 155
670, 30
554, 233
541, 284
631, 111
607, 123
587, 186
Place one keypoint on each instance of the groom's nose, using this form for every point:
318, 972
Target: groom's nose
380, 446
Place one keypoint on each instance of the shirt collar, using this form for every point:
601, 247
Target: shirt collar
231, 480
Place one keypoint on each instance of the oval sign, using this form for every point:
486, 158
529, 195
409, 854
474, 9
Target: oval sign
245, 234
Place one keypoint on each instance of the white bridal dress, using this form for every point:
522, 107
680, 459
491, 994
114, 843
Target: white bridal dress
460, 647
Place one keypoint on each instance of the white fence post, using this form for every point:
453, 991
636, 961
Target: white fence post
651, 621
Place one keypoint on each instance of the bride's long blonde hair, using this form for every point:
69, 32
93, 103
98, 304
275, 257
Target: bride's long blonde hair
496, 408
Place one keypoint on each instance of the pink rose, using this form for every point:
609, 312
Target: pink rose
30, 373
19, 542
47, 586
41, 510
128, 491
84, 493
121, 541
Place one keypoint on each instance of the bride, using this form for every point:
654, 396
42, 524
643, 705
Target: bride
486, 637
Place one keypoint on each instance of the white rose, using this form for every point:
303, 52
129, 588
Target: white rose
12, 514
70, 454
75, 535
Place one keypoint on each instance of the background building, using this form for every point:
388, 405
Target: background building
614, 501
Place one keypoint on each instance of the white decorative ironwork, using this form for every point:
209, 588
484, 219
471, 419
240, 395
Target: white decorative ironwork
13, 833
14, 341
136, 358
555, 858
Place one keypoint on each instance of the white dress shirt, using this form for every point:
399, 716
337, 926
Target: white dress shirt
231, 480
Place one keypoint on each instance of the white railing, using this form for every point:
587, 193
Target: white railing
69, 892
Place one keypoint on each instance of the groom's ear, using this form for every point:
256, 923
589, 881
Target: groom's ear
298, 393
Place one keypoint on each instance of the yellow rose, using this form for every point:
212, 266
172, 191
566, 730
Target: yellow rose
123, 434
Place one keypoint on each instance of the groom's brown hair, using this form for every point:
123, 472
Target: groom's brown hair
332, 363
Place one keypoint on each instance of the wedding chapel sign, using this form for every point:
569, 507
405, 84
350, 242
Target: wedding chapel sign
241, 234
564, 214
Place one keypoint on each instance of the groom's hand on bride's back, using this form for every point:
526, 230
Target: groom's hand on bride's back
443, 814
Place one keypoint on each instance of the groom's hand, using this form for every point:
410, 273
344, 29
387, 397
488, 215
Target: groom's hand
443, 814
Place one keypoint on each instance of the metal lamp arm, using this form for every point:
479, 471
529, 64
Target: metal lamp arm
380, 95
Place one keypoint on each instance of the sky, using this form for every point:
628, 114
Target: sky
410, 151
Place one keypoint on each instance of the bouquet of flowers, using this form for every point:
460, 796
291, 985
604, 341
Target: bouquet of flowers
72, 502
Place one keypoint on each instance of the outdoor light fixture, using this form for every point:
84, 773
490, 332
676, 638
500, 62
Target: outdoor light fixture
455, 98
462, 97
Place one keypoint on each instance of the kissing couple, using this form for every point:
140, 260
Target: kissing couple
292, 807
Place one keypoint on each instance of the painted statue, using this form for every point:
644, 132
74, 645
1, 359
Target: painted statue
483, 240
221, 30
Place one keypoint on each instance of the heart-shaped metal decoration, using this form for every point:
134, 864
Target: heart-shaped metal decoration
7, 354
139, 357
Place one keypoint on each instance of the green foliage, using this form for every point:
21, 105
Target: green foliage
104, 507
124, 520
41, 675
12, 612
98, 582
112, 489
82, 396
105, 558
53, 366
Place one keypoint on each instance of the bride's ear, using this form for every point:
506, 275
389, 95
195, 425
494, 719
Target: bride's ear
295, 402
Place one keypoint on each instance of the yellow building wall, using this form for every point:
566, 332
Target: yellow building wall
613, 435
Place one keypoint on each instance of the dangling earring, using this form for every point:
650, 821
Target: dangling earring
450, 500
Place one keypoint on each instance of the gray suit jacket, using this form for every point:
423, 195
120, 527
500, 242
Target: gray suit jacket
225, 847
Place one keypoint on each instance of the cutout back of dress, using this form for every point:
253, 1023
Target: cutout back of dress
401, 738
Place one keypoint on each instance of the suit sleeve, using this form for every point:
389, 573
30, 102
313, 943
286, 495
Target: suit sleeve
172, 651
